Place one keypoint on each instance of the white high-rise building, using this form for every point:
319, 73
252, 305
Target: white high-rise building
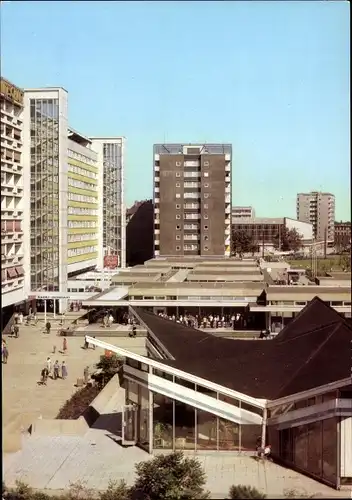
112, 213
15, 273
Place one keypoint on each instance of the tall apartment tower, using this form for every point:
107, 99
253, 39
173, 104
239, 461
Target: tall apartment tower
15, 269
318, 209
192, 199
112, 212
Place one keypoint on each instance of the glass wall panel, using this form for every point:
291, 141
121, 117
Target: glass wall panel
301, 446
185, 383
286, 445
330, 449
229, 435
143, 417
163, 418
251, 408
229, 400
207, 425
184, 426
206, 391
315, 444
250, 437
132, 393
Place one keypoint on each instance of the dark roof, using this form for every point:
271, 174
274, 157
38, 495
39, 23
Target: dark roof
313, 350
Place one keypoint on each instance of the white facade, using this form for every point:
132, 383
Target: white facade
15, 238
111, 159
305, 229
46, 148
242, 213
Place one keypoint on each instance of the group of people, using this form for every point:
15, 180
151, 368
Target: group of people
208, 321
56, 370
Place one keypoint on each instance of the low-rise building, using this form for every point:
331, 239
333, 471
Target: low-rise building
342, 234
239, 213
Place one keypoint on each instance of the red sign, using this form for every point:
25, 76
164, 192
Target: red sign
111, 261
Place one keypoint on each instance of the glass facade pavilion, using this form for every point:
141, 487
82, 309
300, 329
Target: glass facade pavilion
166, 409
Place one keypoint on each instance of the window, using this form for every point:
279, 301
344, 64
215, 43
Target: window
178, 164
206, 164
206, 195
178, 227
205, 228
178, 216
206, 238
178, 207
206, 185
178, 248
206, 248
205, 216
206, 174
178, 237
205, 206
178, 195
178, 184
178, 174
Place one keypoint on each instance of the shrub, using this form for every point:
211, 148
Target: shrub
170, 476
109, 366
241, 491
78, 403
116, 491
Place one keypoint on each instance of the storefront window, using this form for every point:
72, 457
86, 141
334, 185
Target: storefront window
163, 417
301, 446
132, 393
330, 449
206, 430
229, 435
184, 426
250, 436
143, 417
315, 443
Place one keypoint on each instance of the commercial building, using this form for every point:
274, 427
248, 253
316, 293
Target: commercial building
318, 209
265, 231
15, 272
196, 392
342, 234
192, 199
111, 155
239, 213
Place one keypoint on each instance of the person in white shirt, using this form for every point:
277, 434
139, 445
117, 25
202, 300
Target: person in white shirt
48, 364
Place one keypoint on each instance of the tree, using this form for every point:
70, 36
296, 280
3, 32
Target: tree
109, 366
288, 240
170, 476
241, 491
243, 242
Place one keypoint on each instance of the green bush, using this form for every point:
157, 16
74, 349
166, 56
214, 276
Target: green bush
78, 403
116, 491
109, 366
170, 476
242, 491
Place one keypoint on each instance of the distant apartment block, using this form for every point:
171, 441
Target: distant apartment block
14, 199
342, 234
242, 213
266, 230
192, 199
318, 209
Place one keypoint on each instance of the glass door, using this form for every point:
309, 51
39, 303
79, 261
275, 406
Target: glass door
129, 425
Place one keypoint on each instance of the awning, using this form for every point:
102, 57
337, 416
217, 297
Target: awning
11, 273
19, 271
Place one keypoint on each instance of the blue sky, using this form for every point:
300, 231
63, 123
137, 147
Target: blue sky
272, 78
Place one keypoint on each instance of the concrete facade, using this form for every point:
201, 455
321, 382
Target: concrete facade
318, 209
192, 199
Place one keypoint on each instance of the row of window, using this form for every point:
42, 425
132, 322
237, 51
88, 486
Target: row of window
191, 237
82, 171
82, 223
178, 228
333, 303
186, 216
191, 163
192, 195
81, 184
81, 211
81, 237
225, 298
82, 158
73, 252
82, 198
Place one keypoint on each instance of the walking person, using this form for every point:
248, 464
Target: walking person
86, 374
16, 330
64, 345
5, 354
48, 327
20, 318
44, 375
63, 370
48, 365
56, 370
